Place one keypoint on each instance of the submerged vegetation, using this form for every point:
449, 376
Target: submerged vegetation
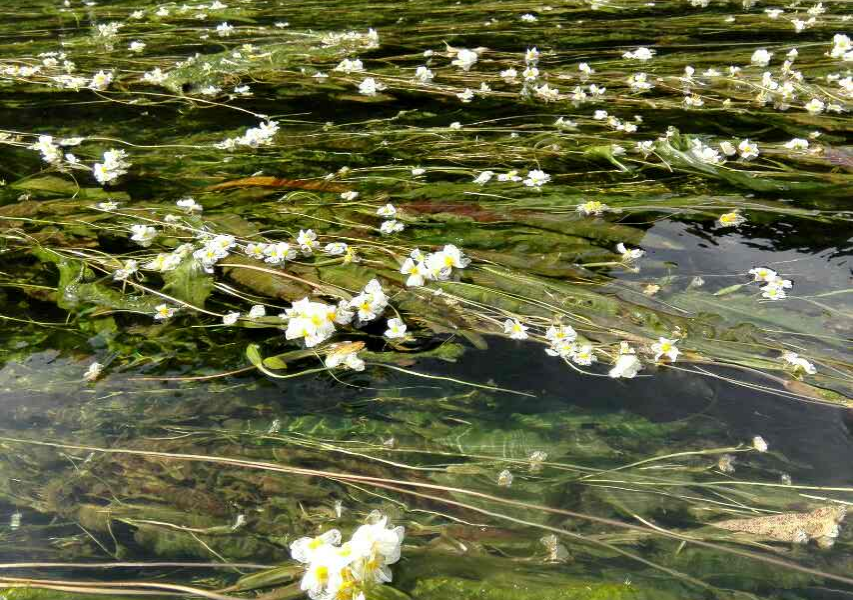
275, 275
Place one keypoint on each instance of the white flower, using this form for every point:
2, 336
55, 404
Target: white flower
370, 87
536, 178
639, 82
277, 254
370, 303
164, 262
163, 312
307, 241
528, 18
815, 106
465, 59
50, 152
256, 250
418, 171
424, 74
773, 13
129, 268
798, 363
728, 148
376, 547
484, 177
731, 219
509, 176
230, 318
840, 46
189, 205
761, 57
455, 125
350, 66
665, 347
627, 365
505, 478
440, 264
143, 234
114, 165
509, 74
307, 549
108, 206
585, 69
101, 80
336, 249
349, 196
314, 322
391, 226
93, 372
224, 29
257, 311
155, 77
797, 144
386, 211
629, 255
641, 54
530, 73
748, 150
592, 207
763, 274
584, 356
704, 153
396, 329
415, 268
137, 46
466, 96
515, 329
759, 444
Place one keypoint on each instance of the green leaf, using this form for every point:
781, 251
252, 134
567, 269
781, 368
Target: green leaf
189, 283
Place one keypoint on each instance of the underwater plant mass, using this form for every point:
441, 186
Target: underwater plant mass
344, 300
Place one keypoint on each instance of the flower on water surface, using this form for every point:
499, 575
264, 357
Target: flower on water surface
129, 268
761, 57
396, 329
313, 322
748, 150
759, 444
93, 372
392, 226
731, 219
629, 255
592, 207
536, 178
230, 318
515, 329
641, 54
465, 59
762, 274
257, 311
665, 347
798, 363
389, 210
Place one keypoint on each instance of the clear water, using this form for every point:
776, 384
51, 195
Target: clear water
143, 464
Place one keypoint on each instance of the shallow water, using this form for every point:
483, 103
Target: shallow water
189, 448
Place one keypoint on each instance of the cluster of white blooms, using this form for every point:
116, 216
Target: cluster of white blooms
369, 304
313, 322
108, 30
369, 40
349, 66
213, 250
114, 165
262, 135
774, 286
433, 266
841, 47
336, 571
535, 177
50, 151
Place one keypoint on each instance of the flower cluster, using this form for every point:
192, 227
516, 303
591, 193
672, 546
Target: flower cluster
336, 571
433, 266
114, 165
773, 287
262, 135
